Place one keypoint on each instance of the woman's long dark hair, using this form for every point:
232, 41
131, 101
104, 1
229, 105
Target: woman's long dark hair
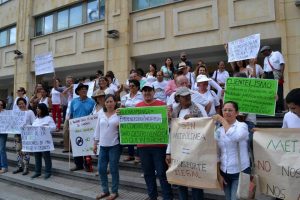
44, 110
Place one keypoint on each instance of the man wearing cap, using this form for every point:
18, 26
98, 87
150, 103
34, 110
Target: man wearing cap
274, 69
184, 110
182, 81
80, 107
153, 156
183, 67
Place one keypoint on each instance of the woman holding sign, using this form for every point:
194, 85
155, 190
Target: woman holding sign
23, 157
107, 135
3, 138
43, 119
232, 139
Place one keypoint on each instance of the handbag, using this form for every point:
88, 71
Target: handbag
243, 189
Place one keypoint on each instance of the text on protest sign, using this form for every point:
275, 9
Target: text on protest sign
193, 153
276, 154
36, 139
11, 121
90, 90
244, 48
81, 135
144, 125
43, 64
252, 95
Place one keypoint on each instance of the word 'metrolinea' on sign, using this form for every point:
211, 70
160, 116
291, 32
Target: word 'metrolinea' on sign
252, 95
144, 125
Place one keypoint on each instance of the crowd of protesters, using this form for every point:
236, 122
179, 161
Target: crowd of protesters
187, 91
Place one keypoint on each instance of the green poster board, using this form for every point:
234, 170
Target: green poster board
144, 125
252, 95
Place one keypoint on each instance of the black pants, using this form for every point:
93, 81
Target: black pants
280, 101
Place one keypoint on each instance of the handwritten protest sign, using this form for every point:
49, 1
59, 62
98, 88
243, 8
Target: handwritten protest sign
90, 90
252, 95
244, 48
81, 135
11, 121
193, 153
36, 139
277, 163
144, 125
43, 63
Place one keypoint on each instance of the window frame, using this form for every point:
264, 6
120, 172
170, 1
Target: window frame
8, 35
84, 19
152, 6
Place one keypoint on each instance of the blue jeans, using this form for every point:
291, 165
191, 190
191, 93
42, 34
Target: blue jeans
232, 181
197, 194
3, 156
38, 162
109, 155
153, 159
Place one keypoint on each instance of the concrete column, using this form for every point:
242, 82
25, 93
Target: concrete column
23, 77
117, 51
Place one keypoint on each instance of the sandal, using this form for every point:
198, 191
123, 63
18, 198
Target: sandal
113, 196
102, 195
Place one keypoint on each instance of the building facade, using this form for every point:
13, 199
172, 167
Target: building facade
85, 36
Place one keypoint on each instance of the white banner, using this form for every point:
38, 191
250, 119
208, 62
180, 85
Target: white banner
193, 153
11, 121
277, 163
43, 64
82, 134
244, 48
90, 90
36, 139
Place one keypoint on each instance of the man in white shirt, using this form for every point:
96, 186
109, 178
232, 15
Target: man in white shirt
221, 75
183, 67
159, 87
274, 69
292, 118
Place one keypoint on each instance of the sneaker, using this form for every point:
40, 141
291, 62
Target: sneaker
3, 170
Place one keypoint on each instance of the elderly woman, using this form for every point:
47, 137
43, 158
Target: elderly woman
43, 119
209, 95
23, 157
107, 135
3, 138
232, 139
184, 110
130, 100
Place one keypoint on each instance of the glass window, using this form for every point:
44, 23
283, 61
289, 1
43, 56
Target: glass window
3, 1
102, 9
76, 15
48, 24
12, 35
3, 38
63, 19
143, 4
92, 11
39, 26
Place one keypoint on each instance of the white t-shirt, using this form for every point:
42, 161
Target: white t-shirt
159, 88
291, 120
55, 97
45, 101
259, 70
45, 121
127, 101
211, 96
107, 130
30, 117
221, 76
113, 88
275, 59
191, 78
150, 78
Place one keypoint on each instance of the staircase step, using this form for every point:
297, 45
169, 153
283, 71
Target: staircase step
79, 189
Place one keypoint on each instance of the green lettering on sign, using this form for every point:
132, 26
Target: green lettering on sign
252, 95
144, 125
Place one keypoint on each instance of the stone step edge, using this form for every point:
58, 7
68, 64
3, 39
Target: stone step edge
42, 185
